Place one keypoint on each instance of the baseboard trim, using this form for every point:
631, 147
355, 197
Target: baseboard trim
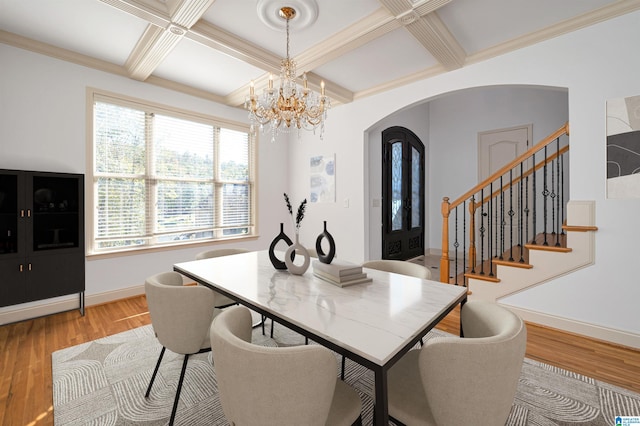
610, 335
67, 304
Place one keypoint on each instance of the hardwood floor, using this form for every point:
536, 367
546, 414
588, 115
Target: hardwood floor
26, 392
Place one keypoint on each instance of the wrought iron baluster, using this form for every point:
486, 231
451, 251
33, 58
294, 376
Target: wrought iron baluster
482, 229
553, 194
534, 202
502, 222
564, 201
472, 234
511, 213
520, 242
545, 193
496, 228
560, 218
526, 209
464, 241
455, 246
490, 224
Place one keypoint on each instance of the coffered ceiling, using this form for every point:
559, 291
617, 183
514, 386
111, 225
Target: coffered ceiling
214, 48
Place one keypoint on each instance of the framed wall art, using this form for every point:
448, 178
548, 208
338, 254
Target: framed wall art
623, 147
323, 179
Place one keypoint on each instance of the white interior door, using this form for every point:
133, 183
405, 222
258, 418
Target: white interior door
496, 148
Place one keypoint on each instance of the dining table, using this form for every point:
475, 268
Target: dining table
372, 323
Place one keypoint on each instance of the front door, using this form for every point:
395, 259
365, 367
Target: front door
402, 194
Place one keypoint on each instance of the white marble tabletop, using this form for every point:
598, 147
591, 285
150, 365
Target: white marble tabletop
374, 320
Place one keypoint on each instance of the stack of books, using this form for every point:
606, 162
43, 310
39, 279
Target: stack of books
340, 273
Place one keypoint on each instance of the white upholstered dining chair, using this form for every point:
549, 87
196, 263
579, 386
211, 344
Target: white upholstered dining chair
400, 267
462, 381
265, 386
181, 317
221, 300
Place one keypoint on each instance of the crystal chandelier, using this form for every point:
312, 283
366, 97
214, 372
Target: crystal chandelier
291, 106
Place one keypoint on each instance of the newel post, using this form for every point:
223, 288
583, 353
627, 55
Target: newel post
444, 260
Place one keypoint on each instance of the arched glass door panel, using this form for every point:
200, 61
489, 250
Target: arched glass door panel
402, 194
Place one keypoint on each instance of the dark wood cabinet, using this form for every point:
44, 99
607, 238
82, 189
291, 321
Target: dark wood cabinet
41, 236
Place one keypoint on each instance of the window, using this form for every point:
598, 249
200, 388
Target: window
162, 176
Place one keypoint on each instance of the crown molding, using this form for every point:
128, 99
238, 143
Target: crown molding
187, 90
100, 65
582, 21
399, 82
60, 53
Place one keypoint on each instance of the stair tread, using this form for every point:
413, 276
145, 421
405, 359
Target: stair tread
512, 263
542, 247
483, 277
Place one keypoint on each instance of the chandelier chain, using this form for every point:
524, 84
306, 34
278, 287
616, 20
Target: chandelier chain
288, 38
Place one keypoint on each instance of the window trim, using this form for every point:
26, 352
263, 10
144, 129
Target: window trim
97, 95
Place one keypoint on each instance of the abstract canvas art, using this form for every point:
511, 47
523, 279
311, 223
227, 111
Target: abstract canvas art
623, 147
323, 179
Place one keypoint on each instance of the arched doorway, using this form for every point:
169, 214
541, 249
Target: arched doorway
403, 183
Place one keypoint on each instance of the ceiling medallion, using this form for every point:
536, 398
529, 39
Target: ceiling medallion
291, 106
269, 13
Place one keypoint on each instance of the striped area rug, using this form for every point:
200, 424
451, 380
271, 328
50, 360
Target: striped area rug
103, 383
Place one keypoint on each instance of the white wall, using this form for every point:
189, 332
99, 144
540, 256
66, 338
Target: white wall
594, 64
43, 127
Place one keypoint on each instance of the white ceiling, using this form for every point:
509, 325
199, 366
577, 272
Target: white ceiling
213, 48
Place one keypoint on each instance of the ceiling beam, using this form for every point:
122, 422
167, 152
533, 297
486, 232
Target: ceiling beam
164, 32
434, 35
420, 19
367, 29
154, 45
230, 44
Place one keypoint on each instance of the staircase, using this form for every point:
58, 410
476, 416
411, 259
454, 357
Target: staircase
517, 229
544, 262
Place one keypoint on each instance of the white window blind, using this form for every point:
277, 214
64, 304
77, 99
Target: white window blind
162, 178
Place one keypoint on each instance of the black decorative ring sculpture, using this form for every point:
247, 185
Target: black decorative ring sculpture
328, 257
277, 263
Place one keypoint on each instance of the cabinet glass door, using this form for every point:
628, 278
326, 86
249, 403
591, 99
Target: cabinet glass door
55, 213
8, 213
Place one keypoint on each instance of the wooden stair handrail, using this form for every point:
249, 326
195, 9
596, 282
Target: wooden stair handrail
564, 130
446, 207
529, 171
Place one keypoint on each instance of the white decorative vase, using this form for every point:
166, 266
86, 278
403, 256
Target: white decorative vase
301, 251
